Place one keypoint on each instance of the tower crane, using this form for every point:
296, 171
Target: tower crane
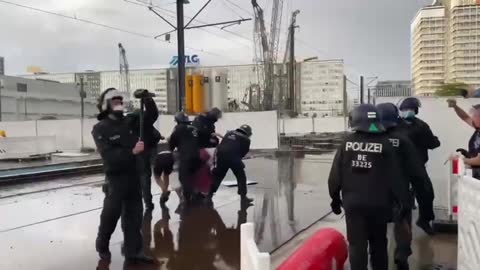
265, 50
124, 71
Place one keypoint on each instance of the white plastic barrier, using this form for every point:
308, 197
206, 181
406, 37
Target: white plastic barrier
250, 257
25, 147
469, 224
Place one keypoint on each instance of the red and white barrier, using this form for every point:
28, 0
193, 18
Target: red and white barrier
250, 257
326, 250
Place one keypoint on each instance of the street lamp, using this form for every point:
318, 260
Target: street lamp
83, 95
373, 79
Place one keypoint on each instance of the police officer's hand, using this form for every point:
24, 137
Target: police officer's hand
452, 103
139, 148
336, 207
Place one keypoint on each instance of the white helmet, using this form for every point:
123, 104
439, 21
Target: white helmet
107, 96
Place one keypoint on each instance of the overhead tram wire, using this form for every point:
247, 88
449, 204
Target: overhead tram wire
239, 7
110, 27
174, 14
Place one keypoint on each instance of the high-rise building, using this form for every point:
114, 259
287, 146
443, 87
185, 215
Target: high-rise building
393, 89
428, 50
2, 66
91, 83
445, 40
321, 88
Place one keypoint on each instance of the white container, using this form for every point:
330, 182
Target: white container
219, 93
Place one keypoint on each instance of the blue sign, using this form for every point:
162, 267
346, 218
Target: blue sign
192, 60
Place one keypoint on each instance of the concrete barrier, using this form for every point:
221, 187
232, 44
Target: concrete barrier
326, 250
26, 147
469, 224
250, 257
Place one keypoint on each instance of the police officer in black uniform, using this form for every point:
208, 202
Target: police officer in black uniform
151, 138
118, 144
472, 155
233, 148
185, 138
366, 174
422, 137
413, 173
205, 124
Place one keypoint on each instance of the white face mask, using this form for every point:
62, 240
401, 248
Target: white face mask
407, 114
118, 108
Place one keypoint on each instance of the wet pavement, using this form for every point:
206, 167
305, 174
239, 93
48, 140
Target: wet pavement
44, 227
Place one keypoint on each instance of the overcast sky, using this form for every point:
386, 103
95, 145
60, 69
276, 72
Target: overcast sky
372, 36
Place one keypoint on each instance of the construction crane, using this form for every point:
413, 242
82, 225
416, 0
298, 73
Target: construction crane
124, 71
263, 56
275, 28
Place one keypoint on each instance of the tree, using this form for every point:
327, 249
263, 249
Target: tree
453, 89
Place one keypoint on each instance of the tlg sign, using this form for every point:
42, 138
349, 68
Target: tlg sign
190, 60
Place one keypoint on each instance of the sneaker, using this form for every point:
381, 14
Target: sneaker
164, 198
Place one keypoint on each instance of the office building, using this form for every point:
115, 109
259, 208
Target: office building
91, 83
33, 99
2, 66
154, 80
393, 89
321, 88
445, 47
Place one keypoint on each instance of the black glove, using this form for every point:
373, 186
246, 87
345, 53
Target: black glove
143, 93
336, 206
463, 152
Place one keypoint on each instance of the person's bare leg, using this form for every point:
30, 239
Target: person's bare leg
164, 187
166, 182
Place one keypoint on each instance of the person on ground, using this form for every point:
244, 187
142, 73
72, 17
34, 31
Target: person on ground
413, 173
118, 143
185, 139
424, 140
205, 124
472, 155
365, 165
234, 147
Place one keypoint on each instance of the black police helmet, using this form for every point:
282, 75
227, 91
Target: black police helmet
215, 113
181, 118
388, 114
245, 129
365, 118
410, 103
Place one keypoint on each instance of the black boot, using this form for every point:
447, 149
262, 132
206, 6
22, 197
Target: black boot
402, 265
426, 227
103, 250
140, 258
245, 200
149, 206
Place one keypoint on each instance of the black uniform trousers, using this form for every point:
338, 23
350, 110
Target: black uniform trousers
225, 162
403, 237
367, 227
425, 205
123, 198
187, 167
146, 161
